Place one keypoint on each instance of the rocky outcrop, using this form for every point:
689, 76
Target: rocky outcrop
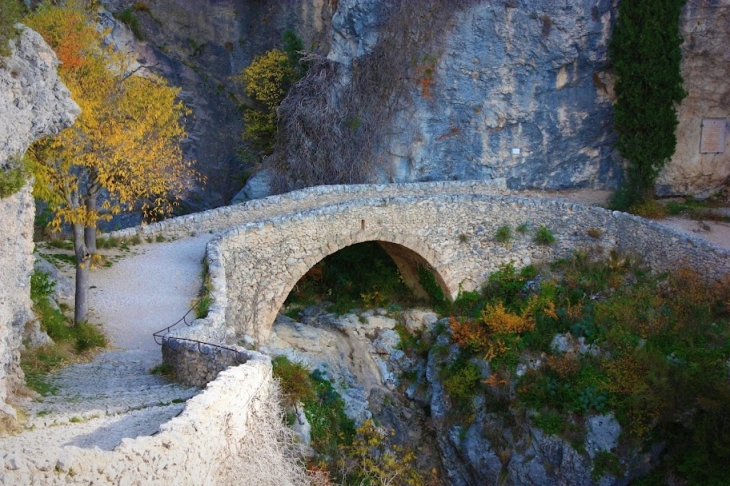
706, 73
503, 89
492, 449
33, 104
200, 46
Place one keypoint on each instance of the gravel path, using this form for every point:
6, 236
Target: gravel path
100, 403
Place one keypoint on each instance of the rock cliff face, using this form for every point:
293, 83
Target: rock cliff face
502, 89
33, 104
705, 27
199, 46
522, 91
483, 89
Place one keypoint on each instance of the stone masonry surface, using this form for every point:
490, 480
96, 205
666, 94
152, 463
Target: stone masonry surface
188, 450
448, 227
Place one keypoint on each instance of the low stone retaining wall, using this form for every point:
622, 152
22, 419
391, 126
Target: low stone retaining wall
191, 449
195, 363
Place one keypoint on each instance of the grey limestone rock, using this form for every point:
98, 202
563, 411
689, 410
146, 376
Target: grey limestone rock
257, 186
33, 104
64, 288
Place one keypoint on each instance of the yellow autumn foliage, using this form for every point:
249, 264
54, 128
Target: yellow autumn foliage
266, 81
498, 319
267, 78
126, 142
123, 152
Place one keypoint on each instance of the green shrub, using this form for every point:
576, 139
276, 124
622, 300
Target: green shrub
550, 422
162, 369
11, 11
503, 234
461, 383
606, 463
14, 176
506, 284
202, 306
331, 427
68, 341
109, 242
41, 286
61, 244
468, 304
205, 299
127, 16
431, 286
648, 208
544, 236
296, 384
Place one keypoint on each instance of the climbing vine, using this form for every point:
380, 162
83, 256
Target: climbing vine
646, 56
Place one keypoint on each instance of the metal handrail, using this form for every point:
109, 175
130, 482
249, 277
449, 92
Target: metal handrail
240, 355
162, 336
162, 332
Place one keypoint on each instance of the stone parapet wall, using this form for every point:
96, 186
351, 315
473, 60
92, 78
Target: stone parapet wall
195, 363
194, 448
226, 217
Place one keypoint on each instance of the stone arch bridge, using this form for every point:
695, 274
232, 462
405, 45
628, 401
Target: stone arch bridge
264, 247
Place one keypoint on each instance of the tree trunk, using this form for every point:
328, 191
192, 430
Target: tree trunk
90, 231
83, 261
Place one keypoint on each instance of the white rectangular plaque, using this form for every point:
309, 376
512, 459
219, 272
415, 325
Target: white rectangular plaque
712, 140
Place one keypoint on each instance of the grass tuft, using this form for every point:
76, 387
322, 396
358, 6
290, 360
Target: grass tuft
544, 236
503, 234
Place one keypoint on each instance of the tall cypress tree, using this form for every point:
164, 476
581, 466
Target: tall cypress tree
646, 56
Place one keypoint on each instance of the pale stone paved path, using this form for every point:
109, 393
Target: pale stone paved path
147, 291
115, 396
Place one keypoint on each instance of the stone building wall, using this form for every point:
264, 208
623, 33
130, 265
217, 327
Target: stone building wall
705, 28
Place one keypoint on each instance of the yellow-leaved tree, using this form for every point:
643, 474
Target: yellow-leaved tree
266, 81
123, 152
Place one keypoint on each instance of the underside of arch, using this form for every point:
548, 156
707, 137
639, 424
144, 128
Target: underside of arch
407, 260
408, 263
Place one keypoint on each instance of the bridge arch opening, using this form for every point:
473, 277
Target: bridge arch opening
371, 273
